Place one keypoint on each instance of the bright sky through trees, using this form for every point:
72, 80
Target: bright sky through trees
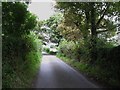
42, 9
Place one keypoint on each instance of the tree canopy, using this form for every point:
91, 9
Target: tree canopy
17, 20
90, 22
49, 26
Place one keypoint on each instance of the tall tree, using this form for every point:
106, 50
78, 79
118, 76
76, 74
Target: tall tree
91, 18
16, 20
51, 23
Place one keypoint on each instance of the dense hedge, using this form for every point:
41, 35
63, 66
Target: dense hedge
21, 50
73, 50
21, 59
105, 68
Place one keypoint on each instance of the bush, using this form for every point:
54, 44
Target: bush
105, 68
66, 49
21, 58
76, 51
47, 50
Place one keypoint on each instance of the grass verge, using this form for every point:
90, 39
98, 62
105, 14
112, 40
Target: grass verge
95, 72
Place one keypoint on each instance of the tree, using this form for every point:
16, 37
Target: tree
53, 23
17, 23
68, 32
90, 21
49, 26
16, 19
21, 50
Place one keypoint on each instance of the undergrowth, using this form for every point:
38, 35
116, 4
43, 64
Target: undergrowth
21, 60
104, 76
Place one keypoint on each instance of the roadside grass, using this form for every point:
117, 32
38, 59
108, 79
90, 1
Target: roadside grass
20, 75
103, 76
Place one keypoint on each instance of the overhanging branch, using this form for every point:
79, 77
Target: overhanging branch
104, 12
98, 32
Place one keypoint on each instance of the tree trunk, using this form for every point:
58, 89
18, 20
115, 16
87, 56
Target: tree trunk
87, 26
93, 34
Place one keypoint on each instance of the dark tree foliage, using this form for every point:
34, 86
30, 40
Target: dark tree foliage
90, 18
96, 23
16, 23
16, 20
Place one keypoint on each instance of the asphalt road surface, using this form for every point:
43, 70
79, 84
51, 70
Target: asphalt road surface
54, 73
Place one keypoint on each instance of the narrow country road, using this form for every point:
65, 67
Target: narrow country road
54, 73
